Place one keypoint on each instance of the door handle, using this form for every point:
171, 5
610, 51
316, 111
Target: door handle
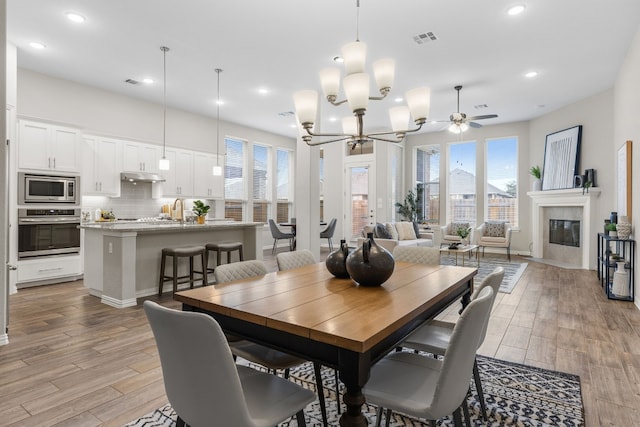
12, 267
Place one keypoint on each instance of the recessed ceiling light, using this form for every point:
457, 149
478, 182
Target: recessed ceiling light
338, 59
147, 81
531, 74
37, 45
293, 126
516, 10
75, 17
220, 102
398, 99
333, 119
263, 91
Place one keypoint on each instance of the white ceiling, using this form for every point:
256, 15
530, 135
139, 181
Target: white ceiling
576, 46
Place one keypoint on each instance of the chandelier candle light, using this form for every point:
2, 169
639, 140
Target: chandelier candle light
356, 89
164, 165
217, 169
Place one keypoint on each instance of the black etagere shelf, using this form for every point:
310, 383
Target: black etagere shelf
612, 251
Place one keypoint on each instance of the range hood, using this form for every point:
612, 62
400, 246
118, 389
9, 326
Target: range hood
141, 177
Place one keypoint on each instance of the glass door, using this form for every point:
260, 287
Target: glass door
360, 194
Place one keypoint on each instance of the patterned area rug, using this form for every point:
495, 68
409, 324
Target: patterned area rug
516, 395
512, 270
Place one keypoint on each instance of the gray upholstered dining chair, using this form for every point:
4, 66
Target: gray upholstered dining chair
256, 353
278, 234
430, 388
328, 232
434, 336
295, 259
196, 359
417, 254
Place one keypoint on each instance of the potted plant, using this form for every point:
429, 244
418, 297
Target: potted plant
611, 230
537, 174
409, 210
464, 234
200, 210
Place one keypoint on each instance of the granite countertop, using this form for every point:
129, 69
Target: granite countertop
161, 226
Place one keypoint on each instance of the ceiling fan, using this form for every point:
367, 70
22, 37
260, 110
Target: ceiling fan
460, 122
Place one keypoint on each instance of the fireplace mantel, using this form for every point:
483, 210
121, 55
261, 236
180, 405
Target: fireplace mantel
573, 197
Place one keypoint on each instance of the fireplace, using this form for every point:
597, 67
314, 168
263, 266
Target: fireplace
564, 232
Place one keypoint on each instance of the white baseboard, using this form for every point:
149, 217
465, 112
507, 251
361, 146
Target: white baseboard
4, 339
118, 303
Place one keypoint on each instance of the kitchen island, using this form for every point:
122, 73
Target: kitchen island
122, 260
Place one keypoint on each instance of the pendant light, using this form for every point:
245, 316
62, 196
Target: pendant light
217, 169
164, 164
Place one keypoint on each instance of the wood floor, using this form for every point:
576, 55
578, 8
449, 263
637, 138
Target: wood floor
73, 361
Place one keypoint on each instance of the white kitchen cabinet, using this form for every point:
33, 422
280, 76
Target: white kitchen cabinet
35, 270
101, 173
205, 184
179, 178
47, 147
139, 157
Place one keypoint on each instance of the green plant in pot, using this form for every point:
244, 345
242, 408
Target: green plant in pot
610, 229
537, 174
410, 209
464, 234
200, 210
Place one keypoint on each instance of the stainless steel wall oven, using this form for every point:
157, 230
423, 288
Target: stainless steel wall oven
48, 232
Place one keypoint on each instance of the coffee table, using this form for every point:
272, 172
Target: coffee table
468, 249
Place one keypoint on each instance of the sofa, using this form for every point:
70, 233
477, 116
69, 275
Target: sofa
392, 234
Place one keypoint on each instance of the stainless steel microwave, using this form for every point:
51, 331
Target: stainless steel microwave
34, 188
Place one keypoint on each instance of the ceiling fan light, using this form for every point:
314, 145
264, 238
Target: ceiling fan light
330, 81
399, 117
464, 127
419, 102
306, 104
355, 55
384, 72
356, 89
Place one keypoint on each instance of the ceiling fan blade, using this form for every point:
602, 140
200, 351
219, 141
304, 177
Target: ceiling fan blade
486, 116
474, 124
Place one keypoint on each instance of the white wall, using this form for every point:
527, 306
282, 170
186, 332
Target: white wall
627, 127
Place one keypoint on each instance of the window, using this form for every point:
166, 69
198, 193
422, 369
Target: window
261, 193
396, 180
428, 181
502, 180
462, 200
283, 185
234, 179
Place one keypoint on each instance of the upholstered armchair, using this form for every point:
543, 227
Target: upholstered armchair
450, 233
494, 234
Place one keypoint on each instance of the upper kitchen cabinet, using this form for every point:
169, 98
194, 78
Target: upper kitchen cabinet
47, 147
205, 184
101, 172
138, 157
179, 178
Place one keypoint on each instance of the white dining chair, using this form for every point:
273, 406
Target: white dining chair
295, 259
434, 336
271, 359
429, 388
417, 254
204, 385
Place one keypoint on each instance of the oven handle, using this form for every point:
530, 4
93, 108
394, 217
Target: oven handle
49, 221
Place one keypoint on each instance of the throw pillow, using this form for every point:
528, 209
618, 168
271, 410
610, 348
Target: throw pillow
391, 228
405, 231
381, 231
494, 229
456, 225
367, 229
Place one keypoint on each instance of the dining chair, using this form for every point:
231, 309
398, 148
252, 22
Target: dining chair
196, 360
434, 336
295, 259
430, 388
271, 359
417, 254
328, 232
278, 234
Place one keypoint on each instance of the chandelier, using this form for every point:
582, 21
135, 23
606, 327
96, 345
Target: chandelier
356, 86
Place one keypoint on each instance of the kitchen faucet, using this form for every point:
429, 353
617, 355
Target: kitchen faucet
178, 210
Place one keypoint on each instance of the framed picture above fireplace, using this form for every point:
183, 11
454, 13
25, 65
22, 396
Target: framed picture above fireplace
561, 157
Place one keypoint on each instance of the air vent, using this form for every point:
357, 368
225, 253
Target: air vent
286, 114
132, 82
480, 106
425, 37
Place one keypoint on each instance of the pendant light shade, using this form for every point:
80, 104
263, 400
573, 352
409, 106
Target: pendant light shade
164, 163
217, 169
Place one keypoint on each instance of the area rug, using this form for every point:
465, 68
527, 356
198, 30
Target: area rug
512, 270
515, 394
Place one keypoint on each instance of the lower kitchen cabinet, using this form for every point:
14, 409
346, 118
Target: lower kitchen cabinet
43, 269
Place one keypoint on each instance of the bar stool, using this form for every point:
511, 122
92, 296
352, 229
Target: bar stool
191, 252
227, 247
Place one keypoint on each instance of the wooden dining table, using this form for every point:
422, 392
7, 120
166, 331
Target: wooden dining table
311, 314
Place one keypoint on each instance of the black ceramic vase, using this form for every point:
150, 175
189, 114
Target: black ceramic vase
371, 264
337, 261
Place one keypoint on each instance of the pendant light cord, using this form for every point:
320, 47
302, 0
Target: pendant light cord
218, 71
164, 50
357, 20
